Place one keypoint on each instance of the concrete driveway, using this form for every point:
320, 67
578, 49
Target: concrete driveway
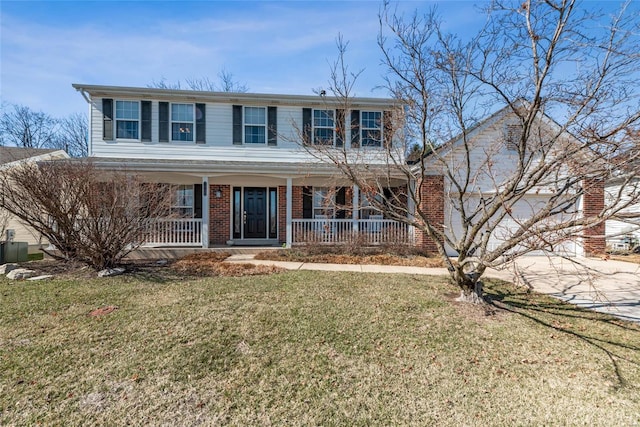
604, 285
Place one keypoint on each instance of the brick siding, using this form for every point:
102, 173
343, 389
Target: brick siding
432, 204
219, 214
593, 204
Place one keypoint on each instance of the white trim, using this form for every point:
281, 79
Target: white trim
245, 124
205, 211
115, 120
193, 123
289, 210
379, 129
331, 127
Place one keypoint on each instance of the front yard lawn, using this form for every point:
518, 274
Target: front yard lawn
307, 348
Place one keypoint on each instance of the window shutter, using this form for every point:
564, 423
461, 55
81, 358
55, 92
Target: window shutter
197, 200
387, 129
201, 128
339, 128
307, 202
355, 128
163, 122
306, 126
341, 202
107, 119
272, 126
145, 115
237, 124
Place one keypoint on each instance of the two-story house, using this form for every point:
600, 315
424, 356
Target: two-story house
237, 165
244, 168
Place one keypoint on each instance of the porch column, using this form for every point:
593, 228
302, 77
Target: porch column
289, 203
411, 208
205, 212
356, 207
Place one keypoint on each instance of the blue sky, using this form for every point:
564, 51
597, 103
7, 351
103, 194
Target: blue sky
274, 47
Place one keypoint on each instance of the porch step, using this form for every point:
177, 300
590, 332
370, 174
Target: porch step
174, 253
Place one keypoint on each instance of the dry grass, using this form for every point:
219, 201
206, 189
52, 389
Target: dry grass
635, 258
333, 256
210, 264
307, 348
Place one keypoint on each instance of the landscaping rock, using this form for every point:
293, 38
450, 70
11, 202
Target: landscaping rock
162, 262
6, 268
20, 274
43, 277
108, 272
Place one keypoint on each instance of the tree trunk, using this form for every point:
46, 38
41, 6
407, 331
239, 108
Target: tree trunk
473, 294
470, 286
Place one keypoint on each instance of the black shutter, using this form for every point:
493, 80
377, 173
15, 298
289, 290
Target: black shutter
306, 126
272, 125
201, 128
107, 119
339, 128
163, 122
145, 131
387, 129
355, 128
307, 202
237, 124
341, 202
197, 201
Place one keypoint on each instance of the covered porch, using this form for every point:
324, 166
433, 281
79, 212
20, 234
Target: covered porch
232, 204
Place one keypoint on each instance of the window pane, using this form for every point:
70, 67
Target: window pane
182, 112
182, 131
126, 129
371, 119
254, 134
254, 116
323, 118
127, 110
323, 136
371, 138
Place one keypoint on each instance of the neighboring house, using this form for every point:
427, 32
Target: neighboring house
13, 157
240, 175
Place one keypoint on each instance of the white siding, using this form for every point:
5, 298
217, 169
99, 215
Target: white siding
219, 139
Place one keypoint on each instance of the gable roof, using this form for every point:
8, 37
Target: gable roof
14, 154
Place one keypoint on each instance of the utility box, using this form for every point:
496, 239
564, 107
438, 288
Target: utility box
14, 252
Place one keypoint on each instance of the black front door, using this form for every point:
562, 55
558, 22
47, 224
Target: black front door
255, 213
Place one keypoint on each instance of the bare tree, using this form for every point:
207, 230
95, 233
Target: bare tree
73, 135
22, 127
562, 89
226, 83
89, 215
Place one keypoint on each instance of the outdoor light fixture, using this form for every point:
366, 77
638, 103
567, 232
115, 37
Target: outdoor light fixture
218, 193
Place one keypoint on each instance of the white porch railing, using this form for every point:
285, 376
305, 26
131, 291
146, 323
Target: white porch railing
364, 231
174, 232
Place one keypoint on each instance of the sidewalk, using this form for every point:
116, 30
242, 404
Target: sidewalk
611, 287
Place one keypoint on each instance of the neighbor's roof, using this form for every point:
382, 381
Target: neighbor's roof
13, 154
229, 97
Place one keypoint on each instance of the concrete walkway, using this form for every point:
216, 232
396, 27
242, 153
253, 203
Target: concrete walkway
608, 286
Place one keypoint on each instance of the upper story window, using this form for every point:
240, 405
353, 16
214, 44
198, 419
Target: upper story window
255, 125
182, 122
371, 128
127, 119
323, 127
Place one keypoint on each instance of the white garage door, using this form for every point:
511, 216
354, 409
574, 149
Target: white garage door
520, 212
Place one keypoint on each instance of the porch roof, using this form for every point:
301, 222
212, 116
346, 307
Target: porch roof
286, 169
